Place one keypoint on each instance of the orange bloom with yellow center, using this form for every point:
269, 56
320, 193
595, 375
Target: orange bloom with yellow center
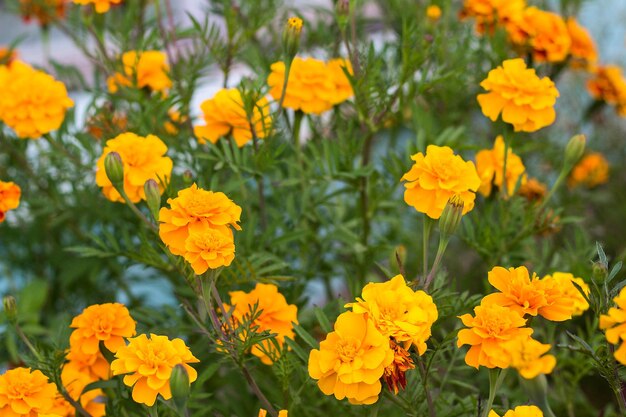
520, 411
529, 358
490, 167
592, 170
225, 114
398, 312
547, 35
490, 14
143, 158
208, 247
32, 102
525, 100
26, 393
101, 6
566, 282
533, 190
614, 324
435, 177
195, 205
517, 290
10, 194
609, 85
142, 69
148, 364
273, 314
108, 323
488, 333
313, 86
351, 360
45, 11
583, 47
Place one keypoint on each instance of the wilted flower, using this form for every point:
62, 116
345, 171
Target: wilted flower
520, 411
45, 11
533, 190
614, 323
546, 33
583, 48
529, 358
10, 194
609, 85
490, 167
101, 6
26, 393
591, 171
109, 323
142, 69
395, 374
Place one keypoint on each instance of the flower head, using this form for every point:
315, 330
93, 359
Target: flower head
614, 324
583, 47
148, 364
433, 12
109, 323
92, 365
224, 114
609, 85
490, 167
351, 360
32, 102
525, 100
208, 247
490, 14
10, 194
142, 69
591, 171
566, 282
517, 290
529, 358
101, 6
26, 393
563, 300
75, 382
533, 190
520, 411
143, 158
398, 312
343, 88
437, 176
547, 34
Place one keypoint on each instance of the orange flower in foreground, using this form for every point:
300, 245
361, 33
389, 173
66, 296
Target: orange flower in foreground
92, 400
517, 290
614, 323
45, 11
351, 360
32, 102
26, 393
208, 247
224, 114
529, 358
101, 6
490, 14
143, 159
147, 364
609, 85
276, 316
487, 334
490, 167
525, 101
583, 47
93, 365
436, 177
547, 34
109, 323
142, 69
592, 170
10, 194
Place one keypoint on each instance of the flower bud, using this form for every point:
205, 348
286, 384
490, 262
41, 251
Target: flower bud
599, 271
153, 197
343, 13
10, 308
179, 384
188, 177
114, 168
574, 150
291, 37
451, 216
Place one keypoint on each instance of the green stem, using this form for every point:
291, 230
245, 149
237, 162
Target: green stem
503, 189
557, 184
429, 398
284, 90
27, 342
153, 411
297, 122
443, 244
496, 376
427, 226
134, 209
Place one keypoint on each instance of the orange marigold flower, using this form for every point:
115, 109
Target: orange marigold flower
520, 411
614, 323
109, 323
32, 102
528, 357
566, 280
147, 69
148, 363
490, 167
10, 194
399, 312
592, 170
435, 177
490, 14
583, 47
101, 6
546, 33
395, 374
225, 114
208, 247
533, 190
26, 393
517, 290
562, 297
433, 12
351, 360
195, 205
92, 365
143, 159
487, 334
609, 85
343, 88
75, 382
525, 100
273, 315
45, 11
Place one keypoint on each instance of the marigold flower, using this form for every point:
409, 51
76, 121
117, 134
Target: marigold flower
143, 158
397, 311
147, 69
45, 11
273, 315
224, 114
433, 12
490, 14
517, 290
525, 100
580, 304
591, 171
520, 411
583, 47
208, 247
32, 102
109, 323
75, 382
609, 85
26, 393
10, 194
343, 88
148, 363
562, 297
436, 177
194, 205
614, 324
351, 360
528, 357
92, 365
487, 334
395, 374
490, 167
546, 33
533, 190
101, 6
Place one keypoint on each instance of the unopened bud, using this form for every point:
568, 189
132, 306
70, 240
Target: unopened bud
188, 177
153, 197
10, 308
114, 168
599, 271
398, 258
451, 216
291, 37
179, 385
343, 13
574, 150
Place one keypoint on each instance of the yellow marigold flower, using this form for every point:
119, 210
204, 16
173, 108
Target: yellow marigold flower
343, 88
547, 35
490, 14
583, 47
208, 247
224, 114
614, 323
195, 205
92, 400
26, 393
295, 24
274, 315
395, 374
490, 166
148, 363
32, 102
281, 413
351, 360
10, 194
528, 357
517, 290
565, 279
142, 69
525, 100
92, 365
591, 171
520, 411
435, 177
109, 323
609, 85
45, 11
562, 298
533, 190
143, 158
397, 311
101, 6
487, 334
433, 12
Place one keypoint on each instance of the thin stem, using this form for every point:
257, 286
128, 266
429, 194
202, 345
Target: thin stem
135, 210
496, 376
557, 184
297, 122
153, 411
503, 189
429, 399
618, 387
443, 244
284, 90
27, 342
259, 177
427, 226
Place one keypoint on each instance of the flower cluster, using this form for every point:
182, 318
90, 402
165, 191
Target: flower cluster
491, 14
10, 194
198, 225
614, 324
26, 393
142, 69
490, 168
592, 170
546, 33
